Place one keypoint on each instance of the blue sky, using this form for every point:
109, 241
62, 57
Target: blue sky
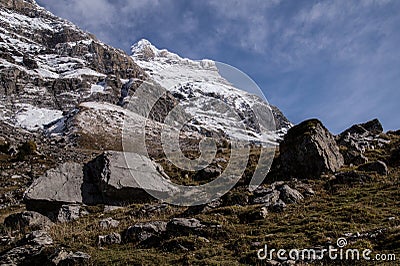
338, 60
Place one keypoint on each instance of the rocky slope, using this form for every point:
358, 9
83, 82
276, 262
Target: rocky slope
66, 196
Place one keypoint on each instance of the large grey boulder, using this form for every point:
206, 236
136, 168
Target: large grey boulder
106, 180
64, 185
120, 181
309, 150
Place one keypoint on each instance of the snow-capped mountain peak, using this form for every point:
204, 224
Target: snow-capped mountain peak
198, 85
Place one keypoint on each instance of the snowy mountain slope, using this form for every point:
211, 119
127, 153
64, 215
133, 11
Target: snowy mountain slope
49, 68
198, 86
49, 65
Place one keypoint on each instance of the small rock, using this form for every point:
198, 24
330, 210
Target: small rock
77, 258
279, 206
152, 210
28, 220
38, 238
6, 240
108, 223
184, 226
263, 213
143, 231
378, 166
111, 239
68, 213
290, 195
267, 197
109, 208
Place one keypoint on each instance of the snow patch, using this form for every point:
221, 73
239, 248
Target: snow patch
33, 118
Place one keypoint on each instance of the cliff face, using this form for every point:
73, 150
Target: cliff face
49, 63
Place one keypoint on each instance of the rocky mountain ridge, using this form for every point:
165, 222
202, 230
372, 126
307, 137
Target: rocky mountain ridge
67, 196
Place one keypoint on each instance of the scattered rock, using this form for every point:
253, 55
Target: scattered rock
111, 239
290, 195
279, 206
359, 138
28, 220
309, 150
68, 213
77, 258
27, 249
6, 240
40, 238
150, 210
184, 226
377, 166
266, 196
108, 223
144, 231
109, 208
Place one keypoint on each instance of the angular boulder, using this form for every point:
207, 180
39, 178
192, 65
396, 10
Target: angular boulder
63, 185
120, 181
309, 150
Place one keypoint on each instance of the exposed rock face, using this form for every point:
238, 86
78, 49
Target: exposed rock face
371, 127
49, 62
359, 138
117, 181
308, 150
28, 220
